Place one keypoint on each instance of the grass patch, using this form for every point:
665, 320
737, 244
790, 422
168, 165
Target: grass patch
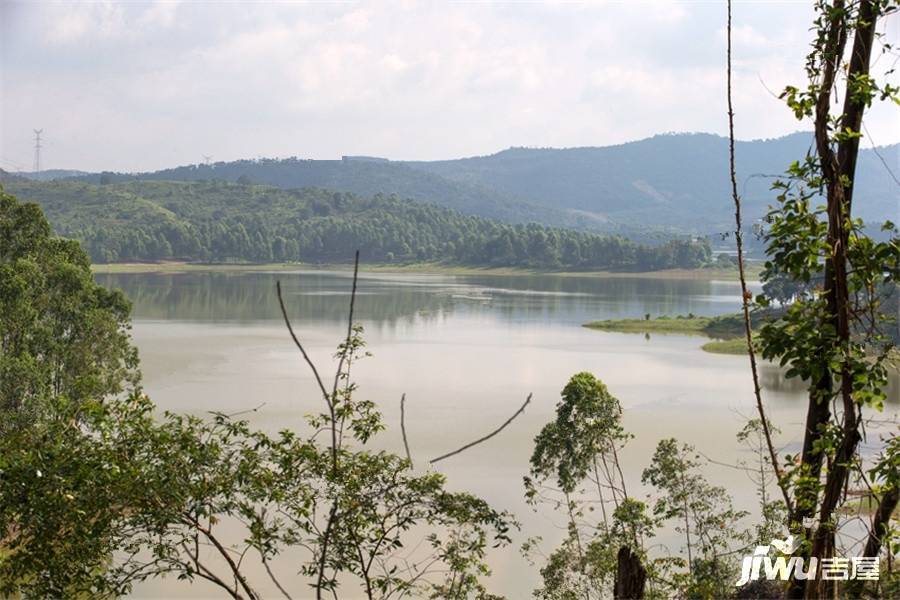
727, 331
732, 346
722, 327
689, 324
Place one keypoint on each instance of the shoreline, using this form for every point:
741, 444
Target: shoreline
423, 268
723, 334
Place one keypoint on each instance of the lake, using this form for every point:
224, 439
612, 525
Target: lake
466, 350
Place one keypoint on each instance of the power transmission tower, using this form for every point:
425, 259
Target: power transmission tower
37, 150
206, 159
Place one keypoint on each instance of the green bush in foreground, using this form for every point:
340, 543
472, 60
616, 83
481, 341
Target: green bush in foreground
98, 493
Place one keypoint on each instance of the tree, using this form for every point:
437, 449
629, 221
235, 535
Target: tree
575, 469
97, 492
61, 334
783, 290
587, 430
578, 453
150, 220
833, 338
832, 335
65, 356
703, 514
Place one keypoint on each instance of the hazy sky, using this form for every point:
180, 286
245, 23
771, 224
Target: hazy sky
139, 86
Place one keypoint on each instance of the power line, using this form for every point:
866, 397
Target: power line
37, 150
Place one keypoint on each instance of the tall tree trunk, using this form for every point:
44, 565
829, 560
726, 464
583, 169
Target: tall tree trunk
838, 170
631, 576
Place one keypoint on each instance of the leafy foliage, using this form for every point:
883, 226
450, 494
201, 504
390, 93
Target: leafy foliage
701, 512
588, 423
575, 469
97, 492
575, 451
60, 333
835, 333
226, 222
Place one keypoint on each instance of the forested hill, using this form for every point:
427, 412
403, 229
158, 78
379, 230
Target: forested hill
667, 183
365, 178
224, 222
679, 180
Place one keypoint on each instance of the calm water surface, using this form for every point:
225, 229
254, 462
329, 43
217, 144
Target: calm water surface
466, 350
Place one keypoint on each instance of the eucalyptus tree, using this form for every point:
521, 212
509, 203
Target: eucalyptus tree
832, 334
575, 468
60, 333
702, 513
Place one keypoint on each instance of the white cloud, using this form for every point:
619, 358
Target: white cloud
77, 21
162, 13
139, 86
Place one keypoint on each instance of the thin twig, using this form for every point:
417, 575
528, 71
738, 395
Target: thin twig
487, 437
238, 413
297, 343
745, 293
201, 570
403, 426
223, 552
880, 157
273, 578
346, 350
345, 356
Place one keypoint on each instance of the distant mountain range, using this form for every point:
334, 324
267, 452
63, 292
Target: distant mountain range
674, 183
680, 180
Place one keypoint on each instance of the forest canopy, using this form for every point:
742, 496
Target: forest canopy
224, 222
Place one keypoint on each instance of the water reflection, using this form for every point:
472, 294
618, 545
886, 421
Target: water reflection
465, 350
385, 298
772, 378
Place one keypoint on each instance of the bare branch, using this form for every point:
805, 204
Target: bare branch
403, 426
223, 552
746, 295
297, 343
346, 355
238, 413
205, 573
346, 350
273, 578
487, 437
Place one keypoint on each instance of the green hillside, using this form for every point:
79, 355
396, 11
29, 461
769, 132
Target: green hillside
643, 190
679, 181
366, 178
225, 222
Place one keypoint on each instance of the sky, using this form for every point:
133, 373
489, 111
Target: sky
134, 86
